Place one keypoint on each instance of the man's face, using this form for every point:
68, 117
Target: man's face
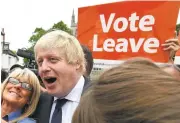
58, 76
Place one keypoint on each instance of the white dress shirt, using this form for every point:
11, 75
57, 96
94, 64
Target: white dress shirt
73, 100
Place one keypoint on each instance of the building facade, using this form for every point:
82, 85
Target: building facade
8, 57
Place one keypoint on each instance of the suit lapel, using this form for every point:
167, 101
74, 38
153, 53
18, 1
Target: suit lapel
43, 111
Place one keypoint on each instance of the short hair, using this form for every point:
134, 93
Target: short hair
89, 59
67, 44
33, 80
133, 92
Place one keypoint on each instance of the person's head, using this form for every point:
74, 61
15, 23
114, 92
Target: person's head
21, 90
60, 61
172, 69
137, 91
89, 60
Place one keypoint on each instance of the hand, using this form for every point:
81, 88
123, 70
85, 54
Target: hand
172, 45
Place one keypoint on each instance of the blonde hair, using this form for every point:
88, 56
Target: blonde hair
31, 79
67, 44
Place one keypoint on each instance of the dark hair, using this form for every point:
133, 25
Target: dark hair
137, 91
4, 75
89, 59
13, 67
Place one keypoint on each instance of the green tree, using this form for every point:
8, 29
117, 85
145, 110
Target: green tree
178, 27
62, 26
38, 32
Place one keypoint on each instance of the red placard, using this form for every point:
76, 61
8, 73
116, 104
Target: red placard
121, 30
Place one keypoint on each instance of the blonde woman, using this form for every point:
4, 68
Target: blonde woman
19, 96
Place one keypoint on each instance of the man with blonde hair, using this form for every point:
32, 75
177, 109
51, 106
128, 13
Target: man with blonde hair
61, 65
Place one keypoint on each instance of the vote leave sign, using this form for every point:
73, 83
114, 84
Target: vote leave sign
121, 30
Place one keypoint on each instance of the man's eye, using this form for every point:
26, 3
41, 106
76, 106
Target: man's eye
53, 59
39, 62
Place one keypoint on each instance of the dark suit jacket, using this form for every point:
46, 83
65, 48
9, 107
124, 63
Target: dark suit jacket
43, 110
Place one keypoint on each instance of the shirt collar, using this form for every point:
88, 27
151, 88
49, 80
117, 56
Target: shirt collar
76, 92
14, 115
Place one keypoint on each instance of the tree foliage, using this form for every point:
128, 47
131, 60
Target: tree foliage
178, 28
62, 26
38, 32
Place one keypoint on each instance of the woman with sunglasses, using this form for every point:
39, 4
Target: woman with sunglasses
20, 93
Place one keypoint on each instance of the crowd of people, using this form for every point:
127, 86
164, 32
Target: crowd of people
136, 91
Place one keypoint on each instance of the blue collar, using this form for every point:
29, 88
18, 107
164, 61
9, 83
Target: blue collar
17, 114
14, 115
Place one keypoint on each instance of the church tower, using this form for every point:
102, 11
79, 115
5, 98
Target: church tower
73, 24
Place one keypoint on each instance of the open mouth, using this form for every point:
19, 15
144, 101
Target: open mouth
50, 80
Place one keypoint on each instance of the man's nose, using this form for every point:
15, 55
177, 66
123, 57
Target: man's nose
45, 67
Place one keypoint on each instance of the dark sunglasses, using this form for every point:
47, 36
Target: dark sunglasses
23, 84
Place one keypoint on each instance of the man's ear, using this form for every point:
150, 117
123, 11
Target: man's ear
77, 65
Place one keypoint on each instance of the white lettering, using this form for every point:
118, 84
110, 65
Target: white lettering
122, 45
107, 26
109, 45
148, 21
133, 20
95, 43
120, 24
135, 47
151, 43
145, 23
124, 24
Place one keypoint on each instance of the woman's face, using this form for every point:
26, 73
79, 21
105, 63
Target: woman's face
17, 92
